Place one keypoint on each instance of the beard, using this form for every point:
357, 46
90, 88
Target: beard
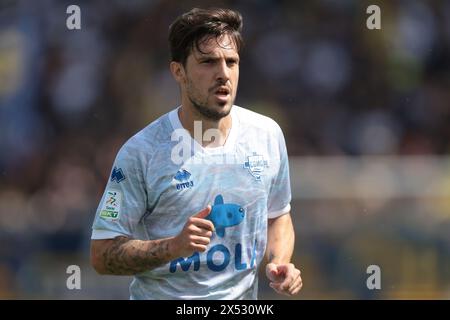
208, 112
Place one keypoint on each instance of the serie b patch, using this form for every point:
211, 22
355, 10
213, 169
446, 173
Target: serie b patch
111, 205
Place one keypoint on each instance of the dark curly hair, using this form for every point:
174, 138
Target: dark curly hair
198, 25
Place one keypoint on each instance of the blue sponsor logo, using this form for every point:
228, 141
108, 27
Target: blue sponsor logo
217, 264
223, 215
117, 175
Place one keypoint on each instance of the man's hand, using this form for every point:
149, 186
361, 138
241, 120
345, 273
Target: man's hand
195, 236
284, 278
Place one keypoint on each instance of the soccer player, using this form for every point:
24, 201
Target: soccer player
199, 197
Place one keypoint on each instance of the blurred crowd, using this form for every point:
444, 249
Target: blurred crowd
70, 98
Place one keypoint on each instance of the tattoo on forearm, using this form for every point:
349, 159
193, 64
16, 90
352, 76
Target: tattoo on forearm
271, 256
128, 257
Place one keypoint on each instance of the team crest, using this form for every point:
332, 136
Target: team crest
256, 164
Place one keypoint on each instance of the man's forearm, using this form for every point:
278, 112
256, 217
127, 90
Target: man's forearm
281, 239
125, 256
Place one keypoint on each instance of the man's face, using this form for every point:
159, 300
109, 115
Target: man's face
211, 77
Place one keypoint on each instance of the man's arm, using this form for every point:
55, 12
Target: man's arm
281, 239
126, 256
284, 277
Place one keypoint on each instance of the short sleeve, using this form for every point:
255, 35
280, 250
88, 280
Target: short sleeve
280, 191
124, 201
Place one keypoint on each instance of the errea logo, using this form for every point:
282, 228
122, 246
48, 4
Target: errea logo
117, 175
183, 176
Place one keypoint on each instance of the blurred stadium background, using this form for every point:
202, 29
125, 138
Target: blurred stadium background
366, 115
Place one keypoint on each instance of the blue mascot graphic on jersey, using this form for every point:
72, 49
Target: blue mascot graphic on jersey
224, 215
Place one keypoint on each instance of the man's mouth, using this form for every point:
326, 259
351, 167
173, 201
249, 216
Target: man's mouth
222, 93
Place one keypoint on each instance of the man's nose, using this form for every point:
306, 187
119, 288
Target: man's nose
223, 72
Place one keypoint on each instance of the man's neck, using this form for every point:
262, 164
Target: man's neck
197, 125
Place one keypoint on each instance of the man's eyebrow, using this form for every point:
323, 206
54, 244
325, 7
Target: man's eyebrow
208, 57
215, 58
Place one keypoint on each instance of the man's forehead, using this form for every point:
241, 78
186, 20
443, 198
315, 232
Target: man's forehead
212, 45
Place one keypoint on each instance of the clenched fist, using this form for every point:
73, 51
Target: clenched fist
195, 236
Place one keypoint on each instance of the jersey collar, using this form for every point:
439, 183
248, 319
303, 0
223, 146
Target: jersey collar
229, 143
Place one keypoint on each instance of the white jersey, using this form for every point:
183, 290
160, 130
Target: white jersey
152, 193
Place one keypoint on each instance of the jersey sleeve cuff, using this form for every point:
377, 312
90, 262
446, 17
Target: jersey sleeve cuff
99, 234
275, 214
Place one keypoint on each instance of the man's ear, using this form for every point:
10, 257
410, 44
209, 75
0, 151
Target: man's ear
178, 71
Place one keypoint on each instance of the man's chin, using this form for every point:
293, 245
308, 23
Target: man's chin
215, 111
222, 109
